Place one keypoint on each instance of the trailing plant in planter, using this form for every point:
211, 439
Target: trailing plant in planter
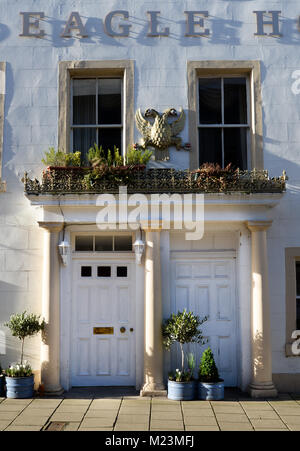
19, 377
182, 328
111, 168
211, 387
58, 158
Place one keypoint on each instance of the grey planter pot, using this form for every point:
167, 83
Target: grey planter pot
19, 387
181, 391
2, 385
211, 391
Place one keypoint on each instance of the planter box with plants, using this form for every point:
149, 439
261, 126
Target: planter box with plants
210, 386
19, 376
182, 328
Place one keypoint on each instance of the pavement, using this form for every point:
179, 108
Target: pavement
122, 409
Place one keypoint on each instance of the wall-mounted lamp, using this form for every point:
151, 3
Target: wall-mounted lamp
63, 249
139, 247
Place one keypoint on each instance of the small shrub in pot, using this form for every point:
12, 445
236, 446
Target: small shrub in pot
210, 387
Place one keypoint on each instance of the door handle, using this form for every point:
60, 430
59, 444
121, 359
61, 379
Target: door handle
122, 330
131, 329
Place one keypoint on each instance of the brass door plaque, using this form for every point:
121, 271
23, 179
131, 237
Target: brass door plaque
103, 330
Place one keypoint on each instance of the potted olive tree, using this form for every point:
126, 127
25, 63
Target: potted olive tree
2, 382
19, 376
182, 328
211, 387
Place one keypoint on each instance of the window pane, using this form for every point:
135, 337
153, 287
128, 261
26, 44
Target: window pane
235, 147
235, 101
298, 277
298, 314
83, 243
86, 271
210, 110
84, 101
109, 101
121, 271
103, 243
210, 145
83, 139
110, 137
123, 243
104, 271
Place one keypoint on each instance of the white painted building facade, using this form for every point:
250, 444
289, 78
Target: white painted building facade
159, 52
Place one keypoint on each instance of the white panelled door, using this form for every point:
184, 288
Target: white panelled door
103, 324
207, 288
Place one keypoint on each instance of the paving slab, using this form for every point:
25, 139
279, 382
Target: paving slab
290, 419
67, 416
71, 409
131, 427
158, 415
98, 422
108, 404
29, 420
200, 421
94, 429
4, 424
228, 409
235, 427
42, 403
262, 414
256, 405
232, 418
201, 428
23, 428
101, 413
270, 424
133, 419
198, 412
287, 410
71, 426
166, 424
8, 415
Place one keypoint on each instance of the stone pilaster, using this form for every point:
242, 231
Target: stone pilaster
50, 349
261, 385
153, 348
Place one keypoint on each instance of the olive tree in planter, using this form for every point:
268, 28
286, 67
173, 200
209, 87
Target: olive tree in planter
182, 328
19, 376
2, 382
211, 387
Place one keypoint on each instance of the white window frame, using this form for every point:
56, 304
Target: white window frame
222, 125
94, 252
92, 69
219, 68
98, 126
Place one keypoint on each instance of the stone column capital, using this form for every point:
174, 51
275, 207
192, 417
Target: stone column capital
258, 226
51, 226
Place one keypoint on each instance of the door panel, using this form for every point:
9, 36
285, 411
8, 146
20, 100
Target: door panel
106, 304
207, 288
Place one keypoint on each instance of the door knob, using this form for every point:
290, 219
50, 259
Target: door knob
131, 329
122, 330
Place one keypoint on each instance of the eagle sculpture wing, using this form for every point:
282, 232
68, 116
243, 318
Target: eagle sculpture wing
178, 125
143, 125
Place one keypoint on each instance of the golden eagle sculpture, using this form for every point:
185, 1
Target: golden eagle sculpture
160, 133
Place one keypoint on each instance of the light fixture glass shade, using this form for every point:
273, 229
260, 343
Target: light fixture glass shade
63, 249
139, 247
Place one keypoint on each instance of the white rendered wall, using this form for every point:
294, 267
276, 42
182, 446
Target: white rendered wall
31, 112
